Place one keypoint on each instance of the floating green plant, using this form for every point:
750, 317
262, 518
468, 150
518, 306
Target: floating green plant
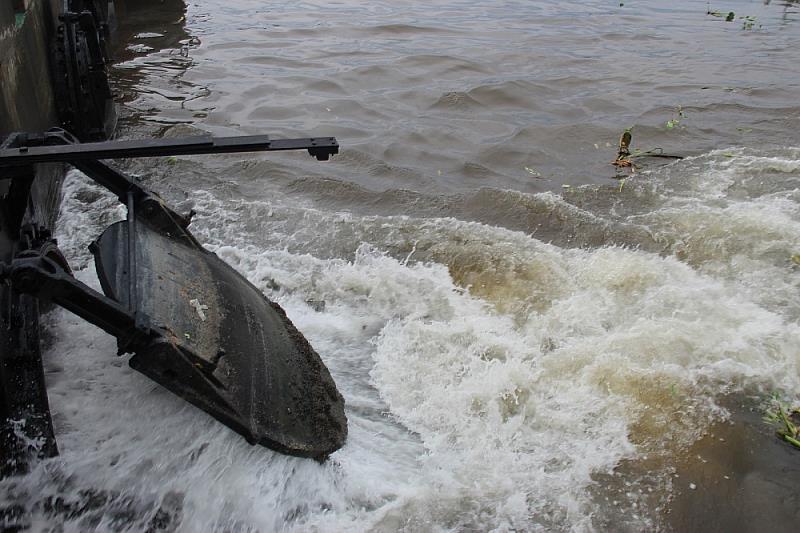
786, 419
624, 152
676, 120
748, 21
729, 16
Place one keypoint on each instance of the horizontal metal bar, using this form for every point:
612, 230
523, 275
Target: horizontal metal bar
317, 146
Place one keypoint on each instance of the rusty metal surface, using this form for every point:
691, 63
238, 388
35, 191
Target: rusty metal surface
221, 345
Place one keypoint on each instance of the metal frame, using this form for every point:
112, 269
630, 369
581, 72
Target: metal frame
42, 272
46, 279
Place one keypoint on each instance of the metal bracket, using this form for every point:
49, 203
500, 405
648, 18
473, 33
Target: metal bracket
42, 277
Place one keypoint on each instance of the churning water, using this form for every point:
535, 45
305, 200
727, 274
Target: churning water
515, 354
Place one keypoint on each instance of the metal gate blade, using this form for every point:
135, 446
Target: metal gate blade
219, 343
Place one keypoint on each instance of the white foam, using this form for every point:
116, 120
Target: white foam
489, 377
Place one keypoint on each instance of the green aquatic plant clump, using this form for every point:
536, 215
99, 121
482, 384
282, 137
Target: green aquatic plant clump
786, 419
748, 21
729, 17
676, 119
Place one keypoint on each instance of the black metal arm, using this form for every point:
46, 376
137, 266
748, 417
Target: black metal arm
58, 146
43, 278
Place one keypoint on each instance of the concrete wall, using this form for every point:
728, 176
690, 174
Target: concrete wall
26, 96
6, 16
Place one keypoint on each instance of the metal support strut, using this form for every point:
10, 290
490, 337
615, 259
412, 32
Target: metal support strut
44, 278
192, 322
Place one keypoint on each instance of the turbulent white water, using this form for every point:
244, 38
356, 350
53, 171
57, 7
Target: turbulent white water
492, 380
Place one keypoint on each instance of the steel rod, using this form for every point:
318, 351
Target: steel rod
25, 155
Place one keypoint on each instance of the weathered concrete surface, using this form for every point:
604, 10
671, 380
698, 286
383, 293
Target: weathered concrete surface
26, 96
6, 16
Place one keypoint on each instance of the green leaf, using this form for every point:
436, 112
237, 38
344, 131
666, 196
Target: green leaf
792, 441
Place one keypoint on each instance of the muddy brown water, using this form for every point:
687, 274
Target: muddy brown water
445, 97
526, 338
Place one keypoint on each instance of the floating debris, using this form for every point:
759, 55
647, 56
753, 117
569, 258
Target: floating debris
624, 152
787, 419
729, 16
748, 21
625, 157
533, 172
676, 120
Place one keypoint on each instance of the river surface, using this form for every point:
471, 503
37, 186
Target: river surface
527, 338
